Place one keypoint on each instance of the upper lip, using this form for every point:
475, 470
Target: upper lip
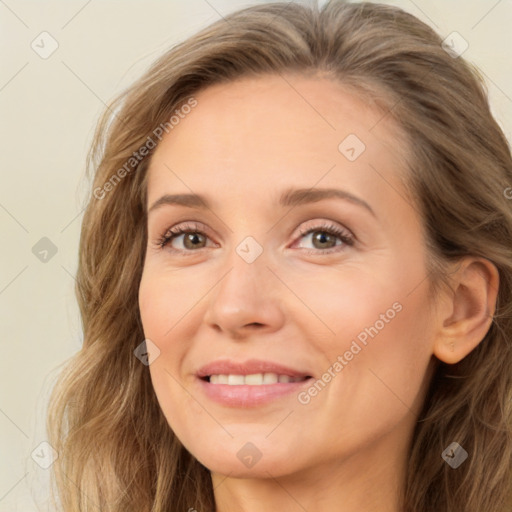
252, 366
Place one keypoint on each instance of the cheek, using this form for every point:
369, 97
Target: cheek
384, 386
346, 300
164, 299
160, 311
380, 338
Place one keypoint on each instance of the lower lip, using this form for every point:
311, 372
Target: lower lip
245, 395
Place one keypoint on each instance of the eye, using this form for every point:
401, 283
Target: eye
192, 235
325, 237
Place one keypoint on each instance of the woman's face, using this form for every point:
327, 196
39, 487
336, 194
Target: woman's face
277, 276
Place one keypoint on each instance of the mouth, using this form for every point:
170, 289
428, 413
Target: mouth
251, 383
254, 379
255, 371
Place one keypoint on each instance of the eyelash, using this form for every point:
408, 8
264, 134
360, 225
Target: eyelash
324, 227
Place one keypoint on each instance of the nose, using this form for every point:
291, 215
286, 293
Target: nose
245, 300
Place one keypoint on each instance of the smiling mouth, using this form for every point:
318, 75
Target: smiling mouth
255, 379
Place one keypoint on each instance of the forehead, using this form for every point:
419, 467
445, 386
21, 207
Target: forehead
263, 132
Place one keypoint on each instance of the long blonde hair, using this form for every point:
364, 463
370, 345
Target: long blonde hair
116, 450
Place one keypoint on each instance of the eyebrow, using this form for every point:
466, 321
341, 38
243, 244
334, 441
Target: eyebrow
289, 197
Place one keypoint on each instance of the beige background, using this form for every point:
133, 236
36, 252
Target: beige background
48, 109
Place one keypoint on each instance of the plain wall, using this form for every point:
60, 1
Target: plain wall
49, 108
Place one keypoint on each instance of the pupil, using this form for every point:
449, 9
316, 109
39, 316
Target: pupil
191, 240
322, 237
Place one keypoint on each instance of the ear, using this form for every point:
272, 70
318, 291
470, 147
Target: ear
466, 313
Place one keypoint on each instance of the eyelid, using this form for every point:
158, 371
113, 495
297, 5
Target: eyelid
319, 224
329, 226
193, 225
165, 239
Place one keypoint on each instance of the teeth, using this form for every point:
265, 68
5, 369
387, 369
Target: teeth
256, 379
235, 380
270, 378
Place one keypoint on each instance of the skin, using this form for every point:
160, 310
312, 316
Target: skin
243, 144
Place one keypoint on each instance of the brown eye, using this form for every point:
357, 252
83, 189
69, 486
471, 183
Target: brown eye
193, 240
325, 238
190, 236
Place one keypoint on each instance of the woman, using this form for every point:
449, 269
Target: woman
295, 278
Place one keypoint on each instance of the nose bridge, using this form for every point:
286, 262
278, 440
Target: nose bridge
244, 295
246, 268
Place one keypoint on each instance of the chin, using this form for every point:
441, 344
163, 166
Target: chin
242, 458
235, 469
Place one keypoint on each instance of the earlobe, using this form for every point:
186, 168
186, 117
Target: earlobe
466, 314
